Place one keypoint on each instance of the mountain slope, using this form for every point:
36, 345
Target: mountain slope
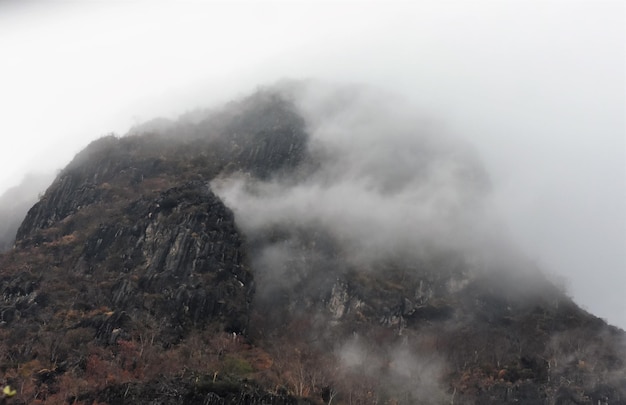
280, 250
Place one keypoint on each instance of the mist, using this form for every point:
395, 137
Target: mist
15, 203
528, 97
379, 182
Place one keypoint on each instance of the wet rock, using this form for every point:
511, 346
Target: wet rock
184, 263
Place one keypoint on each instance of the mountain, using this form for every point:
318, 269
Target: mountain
305, 244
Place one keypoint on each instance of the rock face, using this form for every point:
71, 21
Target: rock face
175, 251
176, 255
181, 257
131, 281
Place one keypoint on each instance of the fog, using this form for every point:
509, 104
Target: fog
378, 180
534, 91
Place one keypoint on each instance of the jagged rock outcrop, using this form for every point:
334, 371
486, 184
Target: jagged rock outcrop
175, 251
178, 257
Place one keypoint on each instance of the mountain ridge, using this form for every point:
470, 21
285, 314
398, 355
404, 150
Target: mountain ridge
171, 265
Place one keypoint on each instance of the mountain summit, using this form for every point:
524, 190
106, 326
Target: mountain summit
305, 244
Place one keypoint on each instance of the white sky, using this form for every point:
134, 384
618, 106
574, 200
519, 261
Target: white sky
538, 87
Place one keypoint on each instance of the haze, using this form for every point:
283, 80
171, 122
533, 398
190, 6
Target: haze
537, 88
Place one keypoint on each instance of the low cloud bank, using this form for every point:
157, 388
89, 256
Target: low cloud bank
379, 180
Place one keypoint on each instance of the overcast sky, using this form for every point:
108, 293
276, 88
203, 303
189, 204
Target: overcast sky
538, 87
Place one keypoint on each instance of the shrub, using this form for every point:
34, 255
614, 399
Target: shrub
236, 366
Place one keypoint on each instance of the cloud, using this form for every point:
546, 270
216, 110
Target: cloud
379, 182
411, 374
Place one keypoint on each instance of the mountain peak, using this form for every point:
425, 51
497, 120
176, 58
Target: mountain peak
301, 244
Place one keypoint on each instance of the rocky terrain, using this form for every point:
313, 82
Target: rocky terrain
254, 254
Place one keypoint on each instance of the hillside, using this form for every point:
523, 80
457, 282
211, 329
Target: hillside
296, 246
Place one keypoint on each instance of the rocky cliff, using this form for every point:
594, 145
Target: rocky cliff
210, 261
